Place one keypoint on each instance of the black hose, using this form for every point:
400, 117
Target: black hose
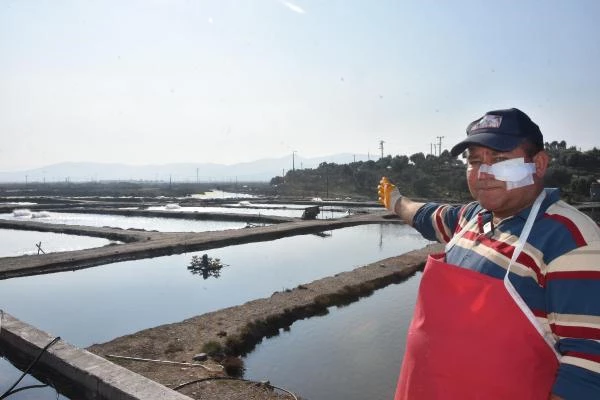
42, 351
42, 385
232, 379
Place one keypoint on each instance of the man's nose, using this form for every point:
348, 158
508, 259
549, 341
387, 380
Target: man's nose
482, 175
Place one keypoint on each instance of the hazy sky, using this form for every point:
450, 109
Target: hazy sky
227, 81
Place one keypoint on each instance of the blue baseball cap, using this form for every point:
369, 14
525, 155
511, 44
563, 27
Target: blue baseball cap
501, 130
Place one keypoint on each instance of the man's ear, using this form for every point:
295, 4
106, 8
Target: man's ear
541, 160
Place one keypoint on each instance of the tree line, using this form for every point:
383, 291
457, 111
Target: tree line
432, 177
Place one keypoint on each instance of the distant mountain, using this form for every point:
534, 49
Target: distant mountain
259, 170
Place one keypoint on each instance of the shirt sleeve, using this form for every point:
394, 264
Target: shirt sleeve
573, 287
438, 222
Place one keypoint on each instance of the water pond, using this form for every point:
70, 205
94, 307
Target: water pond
352, 353
121, 298
9, 375
19, 243
126, 222
278, 210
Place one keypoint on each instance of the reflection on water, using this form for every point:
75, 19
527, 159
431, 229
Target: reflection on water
10, 374
126, 222
18, 243
164, 224
286, 210
125, 297
205, 266
353, 353
219, 194
121, 298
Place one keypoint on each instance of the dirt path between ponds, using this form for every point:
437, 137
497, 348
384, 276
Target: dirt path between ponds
238, 329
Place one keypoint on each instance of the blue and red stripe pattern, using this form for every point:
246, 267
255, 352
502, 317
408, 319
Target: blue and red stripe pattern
557, 274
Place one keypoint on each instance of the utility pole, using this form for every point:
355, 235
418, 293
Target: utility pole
431, 149
381, 142
294, 160
440, 145
326, 183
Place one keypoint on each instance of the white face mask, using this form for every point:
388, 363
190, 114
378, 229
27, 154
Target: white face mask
515, 172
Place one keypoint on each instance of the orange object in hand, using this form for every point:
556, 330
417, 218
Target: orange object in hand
388, 194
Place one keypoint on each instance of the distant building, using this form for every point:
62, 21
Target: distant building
595, 191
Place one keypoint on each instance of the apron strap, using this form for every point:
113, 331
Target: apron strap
548, 337
527, 228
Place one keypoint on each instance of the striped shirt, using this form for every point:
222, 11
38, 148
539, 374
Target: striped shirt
557, 274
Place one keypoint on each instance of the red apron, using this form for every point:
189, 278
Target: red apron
470, 340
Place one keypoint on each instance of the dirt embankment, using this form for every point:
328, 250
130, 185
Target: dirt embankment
236, 330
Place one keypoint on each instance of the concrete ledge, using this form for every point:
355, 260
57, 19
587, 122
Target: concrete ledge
73, 371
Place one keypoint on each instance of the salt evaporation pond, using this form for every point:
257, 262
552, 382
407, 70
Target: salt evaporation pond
125, 297
219, 194
121, 298
9, 374
352, 353
19, 243
277, 210
126, 222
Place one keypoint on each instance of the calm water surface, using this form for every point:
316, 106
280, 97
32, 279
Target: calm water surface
9, 375
219, 194
172, 224
125, 222
97, 304
17, 243
279, 210
353, 353
125, 297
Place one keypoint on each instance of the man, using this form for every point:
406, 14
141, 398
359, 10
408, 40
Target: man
511, 310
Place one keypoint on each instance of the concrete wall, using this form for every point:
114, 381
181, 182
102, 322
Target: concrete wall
75, 372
